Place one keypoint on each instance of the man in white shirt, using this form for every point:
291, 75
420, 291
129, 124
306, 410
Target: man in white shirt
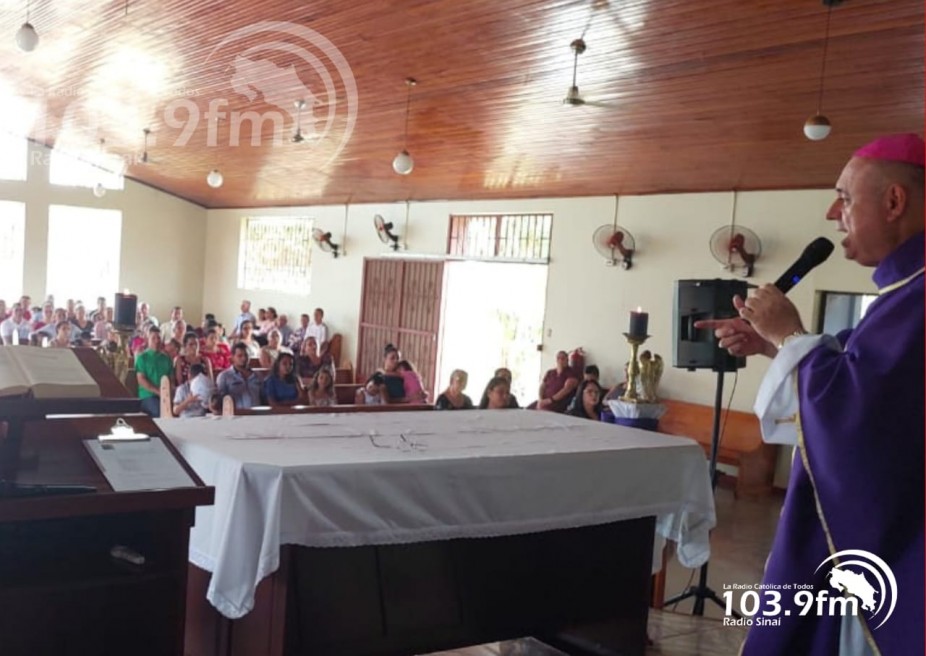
15, 329
285, 331
318, 329
144, 314
244, 316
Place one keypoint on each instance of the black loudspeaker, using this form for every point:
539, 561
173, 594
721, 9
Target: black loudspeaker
703, 299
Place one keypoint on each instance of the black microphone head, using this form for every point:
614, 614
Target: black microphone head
817, 251
815, 254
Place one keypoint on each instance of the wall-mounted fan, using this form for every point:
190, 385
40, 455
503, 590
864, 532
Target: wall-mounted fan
384, 232
736, 247
323, 239
615, 244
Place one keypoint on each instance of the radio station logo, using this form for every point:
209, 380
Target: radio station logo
863, 583
865, 577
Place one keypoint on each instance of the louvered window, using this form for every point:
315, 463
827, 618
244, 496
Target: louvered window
518, 237
275, 254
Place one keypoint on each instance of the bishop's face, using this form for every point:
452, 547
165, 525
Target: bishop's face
861, 212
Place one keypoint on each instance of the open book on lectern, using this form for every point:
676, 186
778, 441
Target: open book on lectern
44, 373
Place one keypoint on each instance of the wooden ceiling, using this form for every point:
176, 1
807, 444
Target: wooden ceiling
695, 96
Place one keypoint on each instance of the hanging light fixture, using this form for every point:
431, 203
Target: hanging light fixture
26, 37
99, 189
215, 179
818, 127
403, 162
297, 135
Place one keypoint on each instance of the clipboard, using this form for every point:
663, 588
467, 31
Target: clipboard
138, 465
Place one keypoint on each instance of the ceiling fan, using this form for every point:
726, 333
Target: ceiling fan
384, 232
323, 239
298, 137
573, 96
144, 158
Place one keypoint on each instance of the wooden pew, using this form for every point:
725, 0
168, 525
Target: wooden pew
167, 399
346, 393
346, 408
741, 442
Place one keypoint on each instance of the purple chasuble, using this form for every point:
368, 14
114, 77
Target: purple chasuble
861, 420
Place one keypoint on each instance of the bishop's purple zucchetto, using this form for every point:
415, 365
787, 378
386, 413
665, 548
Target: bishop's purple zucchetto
906, 148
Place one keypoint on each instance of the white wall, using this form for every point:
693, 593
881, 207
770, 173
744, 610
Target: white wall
163, 237
588, 304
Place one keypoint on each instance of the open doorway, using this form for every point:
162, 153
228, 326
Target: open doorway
493, 317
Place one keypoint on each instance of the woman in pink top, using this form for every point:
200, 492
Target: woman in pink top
411, 381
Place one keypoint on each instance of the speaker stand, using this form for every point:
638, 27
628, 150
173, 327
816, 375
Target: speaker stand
701, 591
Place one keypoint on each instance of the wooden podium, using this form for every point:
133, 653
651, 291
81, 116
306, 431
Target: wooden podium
61, 591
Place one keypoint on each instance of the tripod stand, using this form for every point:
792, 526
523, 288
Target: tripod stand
701, 591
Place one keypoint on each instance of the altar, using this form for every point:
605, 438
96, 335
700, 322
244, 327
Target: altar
408, 532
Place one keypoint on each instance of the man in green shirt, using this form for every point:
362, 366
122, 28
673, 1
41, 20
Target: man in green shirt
149, 367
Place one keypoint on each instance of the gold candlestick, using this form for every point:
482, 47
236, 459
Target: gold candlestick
115, 353
633, 368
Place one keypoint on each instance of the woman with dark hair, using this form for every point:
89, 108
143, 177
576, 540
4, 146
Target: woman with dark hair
283, 386
394, 382
588, 401
309, 361
189, 356
504, 374
62, 335
218, 354
497, 395
247, 338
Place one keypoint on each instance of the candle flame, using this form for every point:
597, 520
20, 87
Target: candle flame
639, 309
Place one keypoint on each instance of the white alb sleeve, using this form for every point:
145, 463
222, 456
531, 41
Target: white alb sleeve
776, 402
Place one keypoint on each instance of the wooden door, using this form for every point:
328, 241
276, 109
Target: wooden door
401, 305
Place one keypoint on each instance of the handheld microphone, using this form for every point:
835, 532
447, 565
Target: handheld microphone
815, 254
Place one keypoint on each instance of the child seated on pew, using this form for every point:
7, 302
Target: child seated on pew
321, 390
414, 389
193, 397
372, 392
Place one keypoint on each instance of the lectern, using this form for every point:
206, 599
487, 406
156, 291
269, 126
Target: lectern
62, 591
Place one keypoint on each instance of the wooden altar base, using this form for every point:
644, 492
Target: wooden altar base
583, 590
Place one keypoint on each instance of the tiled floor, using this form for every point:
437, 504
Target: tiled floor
740, 545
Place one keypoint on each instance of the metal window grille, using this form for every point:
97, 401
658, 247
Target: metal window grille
276, 254
523, 237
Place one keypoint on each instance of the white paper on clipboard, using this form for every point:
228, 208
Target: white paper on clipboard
147, 465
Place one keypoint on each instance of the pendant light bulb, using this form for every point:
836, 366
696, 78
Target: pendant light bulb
27, 38
99, 190
215, 179
403, 163
817, 127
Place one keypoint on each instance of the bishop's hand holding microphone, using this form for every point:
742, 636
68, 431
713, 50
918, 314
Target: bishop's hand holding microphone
767, 318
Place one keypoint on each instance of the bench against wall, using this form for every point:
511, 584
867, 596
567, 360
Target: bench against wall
741, 442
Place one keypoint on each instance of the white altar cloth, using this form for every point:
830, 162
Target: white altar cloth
396, 477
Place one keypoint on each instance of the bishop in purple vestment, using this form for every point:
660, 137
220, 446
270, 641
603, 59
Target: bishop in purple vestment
856, 407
